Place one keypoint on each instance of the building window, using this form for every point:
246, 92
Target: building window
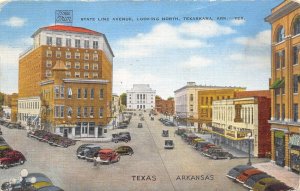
280, 34
49, 40
206, 100
92, 112
282, 58
59, 111
283, 86
92, 93
85, 112
277, 112
92, 128
77, 43
296, 25
191, 97
85, 93
69, 112
95, 44
68, 42
48, 73
58, 54
68, 64
62, 91
77, 55
68, 74
101, 94
295, 84
86, 75
56, 92
295, 110
68, 55
58, 41
277, 60
95, 66
95, 75
95, 57
78, 111
277, 91
70, 93
78, 93
86, 56
77, 74
101, 112
49, 63
77, 65
283, 112
49, 53
86, 66
295, 54
86, 44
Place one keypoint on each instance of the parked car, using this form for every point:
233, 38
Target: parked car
169, 144
126, 134
140, 125
196, 140
180, 131
169, 123
255, 178
124, 150
88, 152
122, 126
278, 186
262, 184
119, 138
152, 118
107, 156
165, 133
12, 158
248, 173
2, 141
82, 147
237, 170
209, 151
200, 145
221, 155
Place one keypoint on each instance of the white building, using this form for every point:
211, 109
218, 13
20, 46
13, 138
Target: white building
141, 96
29, 110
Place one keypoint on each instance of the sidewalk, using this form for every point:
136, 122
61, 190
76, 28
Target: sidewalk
280, 173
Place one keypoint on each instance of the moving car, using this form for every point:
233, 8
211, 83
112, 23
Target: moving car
169, 144
237, 170
122, 126
119, 138
247, 174
126, 134
221, 155
81, 148
88, 152
165, 133
107, 156
12, 158
124, 150
140, 125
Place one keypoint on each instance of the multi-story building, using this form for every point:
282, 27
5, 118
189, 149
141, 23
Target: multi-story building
284, 84
141, 96
186, 103
165, 107
205, 100
235, 121
65, 81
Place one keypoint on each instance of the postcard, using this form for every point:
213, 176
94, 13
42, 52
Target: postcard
149, 95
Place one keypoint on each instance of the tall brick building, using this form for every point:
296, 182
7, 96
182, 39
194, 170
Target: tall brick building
65, 81
165, 107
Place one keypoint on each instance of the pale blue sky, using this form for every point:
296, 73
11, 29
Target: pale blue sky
165, 54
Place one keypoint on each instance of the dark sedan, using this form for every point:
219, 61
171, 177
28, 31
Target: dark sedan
236, 171
278, 186
249, 183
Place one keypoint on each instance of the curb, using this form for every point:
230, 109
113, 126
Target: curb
102, 140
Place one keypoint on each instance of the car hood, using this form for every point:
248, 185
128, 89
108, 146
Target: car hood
4, 159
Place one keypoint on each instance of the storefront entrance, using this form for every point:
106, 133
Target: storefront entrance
294, 144
279, 148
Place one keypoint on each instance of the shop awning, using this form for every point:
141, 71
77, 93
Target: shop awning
277, 84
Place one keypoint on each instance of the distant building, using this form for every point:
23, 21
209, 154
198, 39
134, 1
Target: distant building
284, 84
165, 107
234, 119
141, 96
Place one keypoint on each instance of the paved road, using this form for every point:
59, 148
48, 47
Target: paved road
150, 168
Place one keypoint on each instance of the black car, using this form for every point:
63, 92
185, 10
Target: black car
200, 145
122, 126
249, 183
221, 155
169, 123
140, 125
169, 144
119, 138
124, 150
165, 133
82, 147
126, 134
88, 152
236, 171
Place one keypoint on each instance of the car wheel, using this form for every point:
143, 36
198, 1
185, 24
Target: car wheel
116, 141
21, 162
5, 166
131, 153
126, 141
215, 157
229, 157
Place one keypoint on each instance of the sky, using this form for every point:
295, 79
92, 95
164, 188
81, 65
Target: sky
222, 43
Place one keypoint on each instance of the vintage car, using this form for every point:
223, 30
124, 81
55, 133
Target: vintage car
12, 158
255, 178
140, 125
152, 118
278, 186
169, 144
196, 140
180, 131
2, 142
237, 170
262, 184
124, 150
247, 174
117, 138
165, 133
107, 156
169, 123
81, 148
122, 126
126, 134
200, 145
88, 152
209, 151
221, 155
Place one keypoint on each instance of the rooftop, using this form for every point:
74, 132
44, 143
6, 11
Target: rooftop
66, 28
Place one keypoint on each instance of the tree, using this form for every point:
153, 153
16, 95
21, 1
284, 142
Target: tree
123, 98
157, 97
170, 98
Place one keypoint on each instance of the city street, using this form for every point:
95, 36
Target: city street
150, 168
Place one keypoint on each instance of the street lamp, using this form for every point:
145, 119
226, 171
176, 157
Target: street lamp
249, 137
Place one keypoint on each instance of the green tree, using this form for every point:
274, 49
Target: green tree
123, 98
157, 97
170, 98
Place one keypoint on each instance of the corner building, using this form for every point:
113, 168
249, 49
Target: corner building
284, 85
65, 81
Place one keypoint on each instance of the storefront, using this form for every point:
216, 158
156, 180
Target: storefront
279, 140
294, 145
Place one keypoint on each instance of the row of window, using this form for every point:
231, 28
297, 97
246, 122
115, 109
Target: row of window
59, 93
68, 74
29, 105
68, 55
280, 57
246, 114
282, 116
77, 65
60, 111
211, 99
69, 42
295, 86
280, 34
